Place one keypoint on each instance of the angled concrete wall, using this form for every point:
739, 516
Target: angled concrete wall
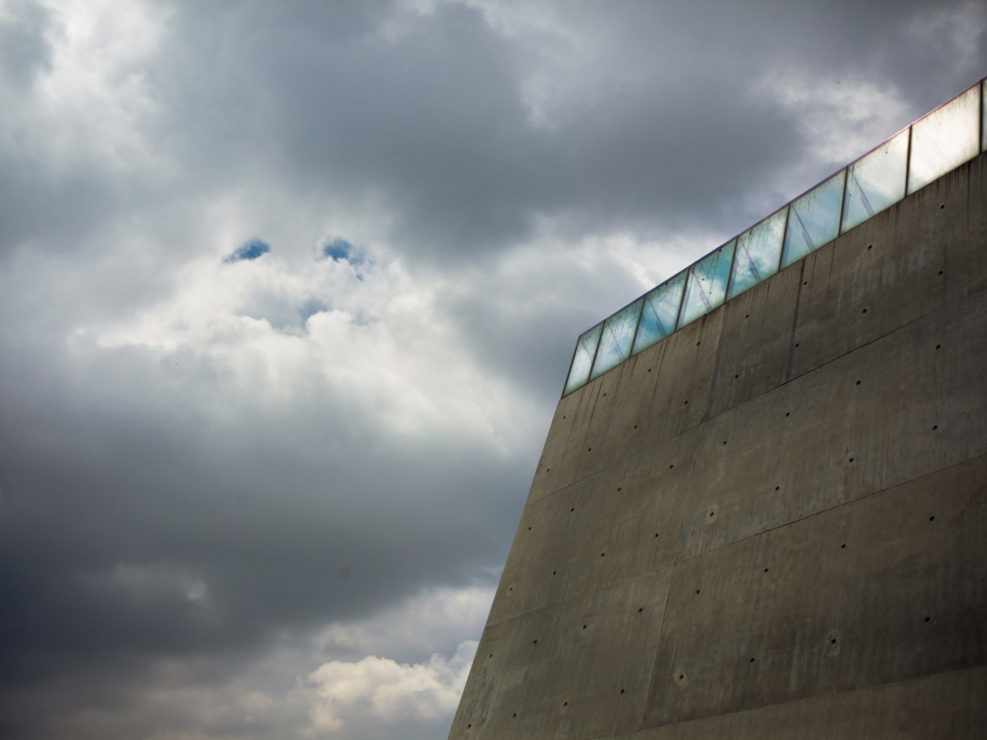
774, 521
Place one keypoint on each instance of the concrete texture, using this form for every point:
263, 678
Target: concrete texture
773, 523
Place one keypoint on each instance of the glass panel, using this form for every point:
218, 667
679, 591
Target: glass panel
875, 181
758, 249
983, 116
813, 219
615, 344
707, 284
582, 359
661, 307
945, 139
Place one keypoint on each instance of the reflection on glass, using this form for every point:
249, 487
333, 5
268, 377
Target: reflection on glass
661, 307
875, 181
707, 284
582, 359
813, 219
615, 343
945, 139
757, 253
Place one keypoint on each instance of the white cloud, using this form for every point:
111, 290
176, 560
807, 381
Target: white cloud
97, 92
840, 118
390, 690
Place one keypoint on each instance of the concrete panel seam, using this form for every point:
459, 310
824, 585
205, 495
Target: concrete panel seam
840, 692
865, 496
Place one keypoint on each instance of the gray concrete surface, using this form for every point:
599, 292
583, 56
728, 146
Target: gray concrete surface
773, 523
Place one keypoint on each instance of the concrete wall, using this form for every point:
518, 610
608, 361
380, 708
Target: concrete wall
774, 521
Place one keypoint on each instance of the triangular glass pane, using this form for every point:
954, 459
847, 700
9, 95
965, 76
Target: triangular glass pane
875, 181
758, 250
707, 284
661, 308
582, 359
813, 219
615, 342
945, 139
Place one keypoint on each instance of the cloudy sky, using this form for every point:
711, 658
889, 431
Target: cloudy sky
288, 294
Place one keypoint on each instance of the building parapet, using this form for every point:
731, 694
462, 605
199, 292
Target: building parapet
935, 144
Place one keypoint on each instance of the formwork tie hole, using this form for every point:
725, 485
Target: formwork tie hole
534, 642
843, 546
584, 626
490, 656
928, 618
686, 403
640, 609
621, 691
573, 508
724, 441
864, 311
934, 427
698, 590
858, 382
752, 660
656, 534
554, 572
938, 346
796, 344
777, 488
870, 246
514, 715
697, 344
712, 513
619, 488
932, 518
805, 282
649, 369
604, 395
589, 449
851, 459
565, 703
940, 272
765, 570
736, 376
603, 554
941, 206
747, 316
788, 413
672, 465
635, 426
832, 641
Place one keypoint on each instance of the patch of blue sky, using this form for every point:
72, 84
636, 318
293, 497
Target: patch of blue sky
250, 250
340, 250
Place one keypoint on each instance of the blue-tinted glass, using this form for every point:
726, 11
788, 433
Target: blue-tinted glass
582, 359
615, 343
875, 181
945, 139
758, 250
707, 284
661, 308
813, 219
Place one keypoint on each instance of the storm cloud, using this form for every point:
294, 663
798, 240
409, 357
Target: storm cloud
288, 296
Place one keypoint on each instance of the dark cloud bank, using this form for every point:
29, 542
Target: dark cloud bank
163, 525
